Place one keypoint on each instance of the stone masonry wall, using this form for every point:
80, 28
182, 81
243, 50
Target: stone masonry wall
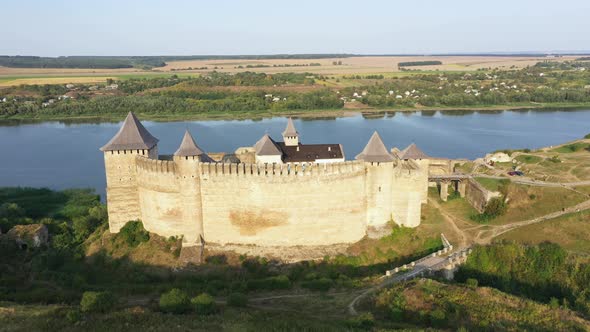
264, 205
477, 195
282, 205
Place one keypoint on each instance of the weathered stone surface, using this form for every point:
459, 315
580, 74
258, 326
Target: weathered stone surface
191, 255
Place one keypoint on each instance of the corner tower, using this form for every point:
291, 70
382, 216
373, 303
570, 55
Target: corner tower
120, 152
290, 135
188, 158
379, 164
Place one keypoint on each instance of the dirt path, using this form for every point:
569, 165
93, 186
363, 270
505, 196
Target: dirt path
498, 230
451, 221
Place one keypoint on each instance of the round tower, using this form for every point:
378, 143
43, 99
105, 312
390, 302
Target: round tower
187, 159
120, 154
379, 164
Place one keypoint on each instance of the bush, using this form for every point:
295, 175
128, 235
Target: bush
97, 302
363, 321
203, 304
237, 300
270, 283
471, 282
322, 284
133, 233
175, 301
587, 136
216, 260
438, 318
495, 207
73, 316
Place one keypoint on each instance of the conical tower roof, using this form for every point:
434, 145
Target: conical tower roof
131, 136
290, 130
188, 147
375, 151
267, 147
413, 152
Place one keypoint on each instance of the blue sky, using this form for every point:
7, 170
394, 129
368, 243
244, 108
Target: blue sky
176, 27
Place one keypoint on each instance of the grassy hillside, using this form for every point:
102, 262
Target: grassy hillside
430, 303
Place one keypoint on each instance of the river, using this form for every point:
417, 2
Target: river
62, 155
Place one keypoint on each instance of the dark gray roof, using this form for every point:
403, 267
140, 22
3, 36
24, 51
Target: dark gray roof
267, 147
375, 151
131, 136
230, 158
412, 152
188, 147
290, 130
310, 152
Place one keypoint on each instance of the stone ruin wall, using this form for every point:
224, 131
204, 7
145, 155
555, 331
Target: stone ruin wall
477, 195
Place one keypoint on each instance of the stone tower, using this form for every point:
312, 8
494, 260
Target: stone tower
415, 154
379, 164
188, 158
290, 135
120, 152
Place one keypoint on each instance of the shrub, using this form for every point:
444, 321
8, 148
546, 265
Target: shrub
587, 136
133, 233
175, 301
438, 317
237, 300
322, 284
270, 283
363, 321
216, 260
203, 304
471, 282
97, 302
495, 207
73, 316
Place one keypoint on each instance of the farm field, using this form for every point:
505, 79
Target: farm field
385, 65
373, 64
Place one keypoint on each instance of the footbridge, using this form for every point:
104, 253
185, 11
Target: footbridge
458, 180
445, 261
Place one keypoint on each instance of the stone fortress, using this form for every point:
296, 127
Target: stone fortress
272, 194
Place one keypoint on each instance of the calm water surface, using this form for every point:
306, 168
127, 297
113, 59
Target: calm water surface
65, 155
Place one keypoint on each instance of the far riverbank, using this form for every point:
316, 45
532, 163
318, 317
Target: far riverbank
309, 114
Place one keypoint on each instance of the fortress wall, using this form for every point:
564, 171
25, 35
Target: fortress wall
159, 197
407, 196
122, 194
283, 204
477, 195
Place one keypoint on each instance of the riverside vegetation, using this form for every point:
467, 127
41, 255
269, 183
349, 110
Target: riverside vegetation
547, 84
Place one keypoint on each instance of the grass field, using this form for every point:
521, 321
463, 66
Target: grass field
571, 231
